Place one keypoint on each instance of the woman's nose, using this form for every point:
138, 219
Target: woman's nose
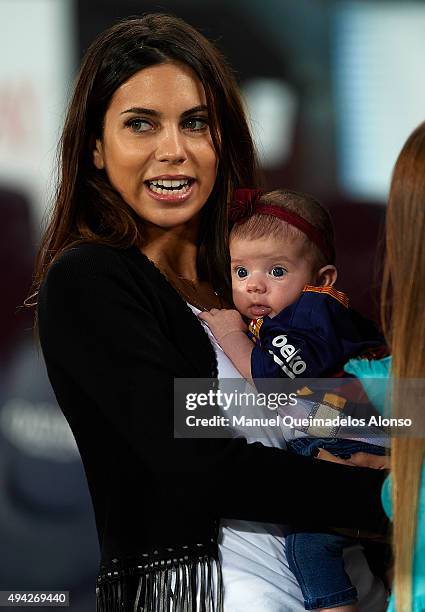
170, 146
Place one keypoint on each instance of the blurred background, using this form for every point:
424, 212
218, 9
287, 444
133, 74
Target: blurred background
332, 87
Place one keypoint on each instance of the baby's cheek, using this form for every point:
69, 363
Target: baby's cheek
240, 300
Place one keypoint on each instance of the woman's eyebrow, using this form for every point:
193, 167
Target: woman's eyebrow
201, 108
138, 110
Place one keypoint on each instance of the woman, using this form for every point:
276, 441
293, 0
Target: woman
154, 143
404, 290
403, 304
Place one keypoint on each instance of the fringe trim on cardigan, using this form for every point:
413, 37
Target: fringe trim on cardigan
172, 585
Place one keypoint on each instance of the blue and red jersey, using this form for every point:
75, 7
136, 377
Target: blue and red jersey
313, 337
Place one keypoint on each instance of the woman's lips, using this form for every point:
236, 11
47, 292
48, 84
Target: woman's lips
259, 310
172, 196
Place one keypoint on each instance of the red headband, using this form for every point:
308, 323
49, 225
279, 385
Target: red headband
246, 203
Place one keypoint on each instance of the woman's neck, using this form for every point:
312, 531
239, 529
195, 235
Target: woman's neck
173, 250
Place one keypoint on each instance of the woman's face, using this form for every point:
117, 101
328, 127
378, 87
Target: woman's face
156, 145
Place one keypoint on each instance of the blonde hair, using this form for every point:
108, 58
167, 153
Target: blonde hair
403, 305
307, 207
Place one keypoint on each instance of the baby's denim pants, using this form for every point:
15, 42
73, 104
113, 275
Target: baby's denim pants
316, 559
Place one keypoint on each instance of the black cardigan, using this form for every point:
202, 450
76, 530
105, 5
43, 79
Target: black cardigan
114, 334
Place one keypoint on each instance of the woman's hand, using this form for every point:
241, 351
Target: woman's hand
360, 459
223, 322
377, 462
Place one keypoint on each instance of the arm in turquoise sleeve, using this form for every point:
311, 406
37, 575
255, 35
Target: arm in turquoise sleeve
374, 375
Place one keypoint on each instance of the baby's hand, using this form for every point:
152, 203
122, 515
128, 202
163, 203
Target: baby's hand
223, 322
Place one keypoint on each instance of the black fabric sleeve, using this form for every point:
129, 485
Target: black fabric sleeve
107, 340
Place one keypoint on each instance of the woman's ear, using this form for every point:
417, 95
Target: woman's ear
326, 276
98, 155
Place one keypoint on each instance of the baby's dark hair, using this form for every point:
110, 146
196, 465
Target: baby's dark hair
304, 205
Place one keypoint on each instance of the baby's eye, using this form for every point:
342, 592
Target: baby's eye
241, 272
138, 125
278, 271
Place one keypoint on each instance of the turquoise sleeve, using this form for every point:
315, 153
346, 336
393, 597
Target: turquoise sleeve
370, 373
374, 375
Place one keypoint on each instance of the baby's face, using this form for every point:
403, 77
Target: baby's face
268, 274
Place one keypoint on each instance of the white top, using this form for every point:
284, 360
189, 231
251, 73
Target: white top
256, 575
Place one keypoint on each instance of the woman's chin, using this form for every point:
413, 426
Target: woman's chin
168, 214
169, 219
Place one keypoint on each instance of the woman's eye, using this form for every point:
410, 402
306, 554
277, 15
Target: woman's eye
195, 124
241, 272
138, 125
278, 271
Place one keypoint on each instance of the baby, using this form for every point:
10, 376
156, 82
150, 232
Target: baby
283, 272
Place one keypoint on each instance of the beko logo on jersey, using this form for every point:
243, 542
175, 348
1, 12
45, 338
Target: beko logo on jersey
293, 365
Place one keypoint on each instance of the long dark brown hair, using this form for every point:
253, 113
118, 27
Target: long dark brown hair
403, 307
86, 206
